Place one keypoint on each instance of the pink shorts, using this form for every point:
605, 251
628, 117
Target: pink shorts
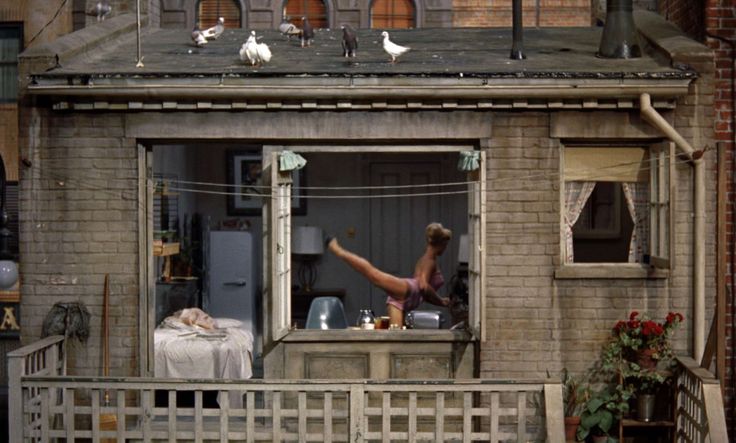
413, 297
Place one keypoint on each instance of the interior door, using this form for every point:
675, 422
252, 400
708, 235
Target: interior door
397, 223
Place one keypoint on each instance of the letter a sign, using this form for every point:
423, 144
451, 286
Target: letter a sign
10, 323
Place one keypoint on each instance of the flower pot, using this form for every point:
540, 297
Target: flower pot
645, 358
600, 439
645, 407
571, 427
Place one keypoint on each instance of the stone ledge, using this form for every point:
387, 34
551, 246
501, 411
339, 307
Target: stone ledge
609, 271
670, 40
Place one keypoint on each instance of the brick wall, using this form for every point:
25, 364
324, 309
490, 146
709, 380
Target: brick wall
714, 22
547, 323
80, 222
477, 13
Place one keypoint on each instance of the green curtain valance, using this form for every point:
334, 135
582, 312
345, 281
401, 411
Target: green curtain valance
288, 161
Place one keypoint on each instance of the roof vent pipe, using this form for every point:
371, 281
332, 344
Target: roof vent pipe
517, 46
620, 38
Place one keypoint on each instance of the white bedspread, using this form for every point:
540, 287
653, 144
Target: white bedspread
184, 351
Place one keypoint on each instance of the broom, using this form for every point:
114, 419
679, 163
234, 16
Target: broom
108, 422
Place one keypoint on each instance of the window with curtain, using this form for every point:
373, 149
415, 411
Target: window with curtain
314, 10
392, 14
208, 11
616, 204
10, 46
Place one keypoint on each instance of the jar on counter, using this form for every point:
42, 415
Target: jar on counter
366, 319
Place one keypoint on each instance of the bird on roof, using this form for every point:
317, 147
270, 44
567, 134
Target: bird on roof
307, 32
289, 29
256, 53
100, 10
349, 41
216, 31
198, 37
392, 48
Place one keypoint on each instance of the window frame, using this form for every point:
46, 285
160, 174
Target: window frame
415, 15
652, 266
277, 217
13, 63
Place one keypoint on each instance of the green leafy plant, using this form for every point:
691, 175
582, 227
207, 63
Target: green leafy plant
602, 411
640, 333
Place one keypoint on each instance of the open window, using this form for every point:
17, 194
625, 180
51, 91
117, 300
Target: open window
616, 204
465, 210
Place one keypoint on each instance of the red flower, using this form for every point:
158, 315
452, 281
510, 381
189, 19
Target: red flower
673, 317
633, 324
619, 326
633, 315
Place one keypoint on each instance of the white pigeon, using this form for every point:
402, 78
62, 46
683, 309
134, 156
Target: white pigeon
289, 29
256, 53
100, 10
392, 48
215, 31
198, 37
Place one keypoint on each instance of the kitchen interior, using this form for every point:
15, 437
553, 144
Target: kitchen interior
208, 242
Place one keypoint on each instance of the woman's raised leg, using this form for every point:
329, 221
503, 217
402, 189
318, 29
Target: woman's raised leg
397, 287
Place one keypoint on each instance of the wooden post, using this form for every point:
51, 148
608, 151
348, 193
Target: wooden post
721, 267
15, 398
553, 411
356, 413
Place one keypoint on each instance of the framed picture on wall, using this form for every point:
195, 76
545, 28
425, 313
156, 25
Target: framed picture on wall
246, 189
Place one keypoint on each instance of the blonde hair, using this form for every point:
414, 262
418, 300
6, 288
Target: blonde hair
437, 234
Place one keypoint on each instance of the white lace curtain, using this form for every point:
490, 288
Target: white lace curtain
576, 194
637, 200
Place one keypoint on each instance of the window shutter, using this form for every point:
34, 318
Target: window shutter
660, 191
392, 14
314, 10
477, 250
280, 249
210, 10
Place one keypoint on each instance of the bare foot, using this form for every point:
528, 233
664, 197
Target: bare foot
332, 245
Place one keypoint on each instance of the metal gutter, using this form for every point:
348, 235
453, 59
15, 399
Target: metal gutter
296, 92
651, 115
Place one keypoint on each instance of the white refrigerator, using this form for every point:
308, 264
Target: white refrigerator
232, 283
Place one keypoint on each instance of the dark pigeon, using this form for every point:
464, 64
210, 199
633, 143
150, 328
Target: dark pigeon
307, 32
349, 41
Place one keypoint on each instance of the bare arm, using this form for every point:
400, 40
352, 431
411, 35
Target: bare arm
425, 268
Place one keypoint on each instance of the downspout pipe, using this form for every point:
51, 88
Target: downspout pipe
654, 118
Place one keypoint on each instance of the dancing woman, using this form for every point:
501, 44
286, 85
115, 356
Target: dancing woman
405, 294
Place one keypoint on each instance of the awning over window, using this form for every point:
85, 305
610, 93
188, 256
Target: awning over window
625, 164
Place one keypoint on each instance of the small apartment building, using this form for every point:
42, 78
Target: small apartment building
543, 142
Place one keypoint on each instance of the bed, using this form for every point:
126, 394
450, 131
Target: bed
189, 351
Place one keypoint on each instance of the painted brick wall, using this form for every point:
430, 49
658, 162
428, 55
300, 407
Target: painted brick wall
547, 323
714, 22
477, 13
80, 223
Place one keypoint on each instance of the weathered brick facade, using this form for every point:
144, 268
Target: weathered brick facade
498, 13
714, 22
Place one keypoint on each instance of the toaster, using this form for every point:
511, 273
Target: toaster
424, 320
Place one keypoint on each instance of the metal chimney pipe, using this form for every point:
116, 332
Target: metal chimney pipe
517, 46
620, 38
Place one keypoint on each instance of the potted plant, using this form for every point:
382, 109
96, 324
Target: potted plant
601, 413
575, 393
643, 341
638, 357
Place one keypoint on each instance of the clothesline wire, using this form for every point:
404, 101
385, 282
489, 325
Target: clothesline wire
297, 195
422, 185
524, 179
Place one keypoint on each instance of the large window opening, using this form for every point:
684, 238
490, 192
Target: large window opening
225, 222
